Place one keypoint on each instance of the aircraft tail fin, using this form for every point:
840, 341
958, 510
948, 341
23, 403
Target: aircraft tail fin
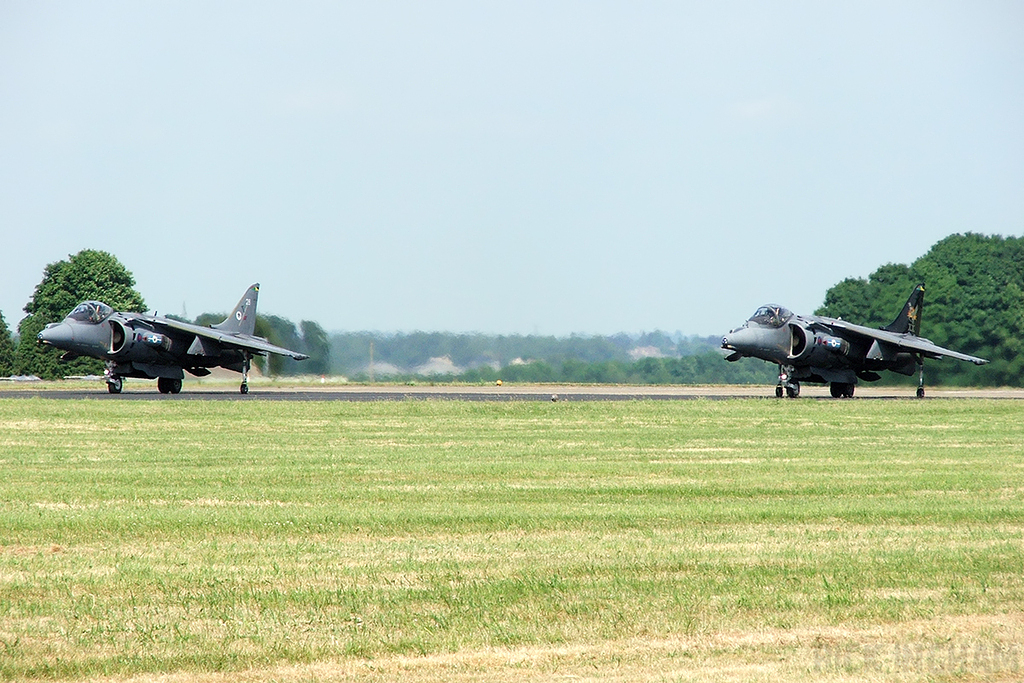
909, 319
243, 319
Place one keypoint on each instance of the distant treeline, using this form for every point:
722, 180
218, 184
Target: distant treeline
648, 358
706, 368
413, 352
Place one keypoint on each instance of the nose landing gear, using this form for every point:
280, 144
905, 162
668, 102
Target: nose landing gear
114, 382
787, 384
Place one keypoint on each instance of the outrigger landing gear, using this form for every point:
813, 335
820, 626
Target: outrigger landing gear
245, 375
920, 378
787, 384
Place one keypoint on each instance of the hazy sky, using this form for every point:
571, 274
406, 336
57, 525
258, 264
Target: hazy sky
547, 167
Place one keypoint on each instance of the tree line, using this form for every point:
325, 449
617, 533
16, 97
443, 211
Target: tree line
974, 302
409, 354
704, 368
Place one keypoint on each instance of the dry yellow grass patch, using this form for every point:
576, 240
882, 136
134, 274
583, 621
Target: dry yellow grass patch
987, 648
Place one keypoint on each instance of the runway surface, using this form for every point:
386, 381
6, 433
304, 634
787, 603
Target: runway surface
146, 391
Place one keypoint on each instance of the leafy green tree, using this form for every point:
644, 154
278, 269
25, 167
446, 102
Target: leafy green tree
207, 319
870, 302
318, 346
87, 275
41, 361
6, 349
282, 332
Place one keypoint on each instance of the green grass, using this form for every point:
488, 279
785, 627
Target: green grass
204, 536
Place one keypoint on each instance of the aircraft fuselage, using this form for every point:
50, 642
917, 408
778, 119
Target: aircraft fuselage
149, 346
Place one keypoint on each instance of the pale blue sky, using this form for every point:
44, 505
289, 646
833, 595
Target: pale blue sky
548, 167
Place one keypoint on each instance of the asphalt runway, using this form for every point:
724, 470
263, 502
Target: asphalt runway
144, 391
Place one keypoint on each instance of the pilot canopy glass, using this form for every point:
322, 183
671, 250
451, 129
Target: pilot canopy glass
771, 316
91, 312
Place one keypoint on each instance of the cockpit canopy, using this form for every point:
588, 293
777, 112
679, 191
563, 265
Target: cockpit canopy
771, 315
91, 312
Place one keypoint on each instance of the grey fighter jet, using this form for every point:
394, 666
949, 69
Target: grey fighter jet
834, 352
151, 346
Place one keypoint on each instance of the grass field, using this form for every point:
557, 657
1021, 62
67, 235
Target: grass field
443, 540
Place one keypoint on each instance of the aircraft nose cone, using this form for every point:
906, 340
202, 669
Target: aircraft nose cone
738, 340
729, 340
56, 334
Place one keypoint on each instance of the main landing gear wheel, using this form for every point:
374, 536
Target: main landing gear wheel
168, 385
841, 389
244, 388
114, 385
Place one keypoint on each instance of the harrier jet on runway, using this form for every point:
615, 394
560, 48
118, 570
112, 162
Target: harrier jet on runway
150, 346
835, 352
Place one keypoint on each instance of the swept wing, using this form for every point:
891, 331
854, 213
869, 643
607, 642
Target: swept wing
903, 342
245, 342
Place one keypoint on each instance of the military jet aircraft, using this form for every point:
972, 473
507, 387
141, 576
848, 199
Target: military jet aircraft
151, 346
834, 352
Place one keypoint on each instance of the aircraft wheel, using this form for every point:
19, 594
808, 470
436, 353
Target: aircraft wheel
114, 385
168, 385
778, 391
244, 388
793, 390
841, 389
920, 392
